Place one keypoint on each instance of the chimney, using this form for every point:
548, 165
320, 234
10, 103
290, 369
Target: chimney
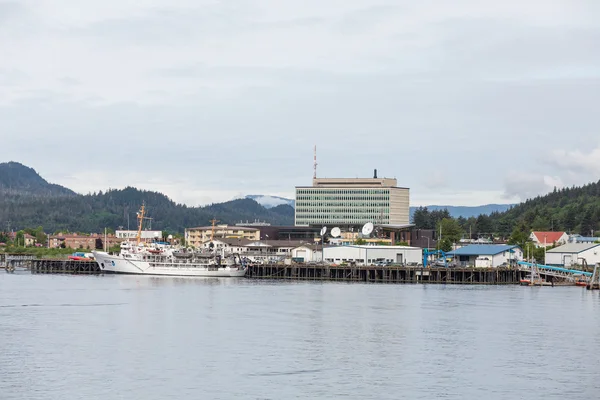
375, 174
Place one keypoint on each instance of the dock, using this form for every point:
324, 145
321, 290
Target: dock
75, 267
388, 274
339, 273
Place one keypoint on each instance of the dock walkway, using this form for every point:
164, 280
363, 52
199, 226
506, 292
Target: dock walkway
388, 274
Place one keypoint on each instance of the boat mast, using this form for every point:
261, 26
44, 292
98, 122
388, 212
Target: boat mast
212, 232
140, 216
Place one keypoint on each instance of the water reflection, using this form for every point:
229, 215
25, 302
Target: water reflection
117, 337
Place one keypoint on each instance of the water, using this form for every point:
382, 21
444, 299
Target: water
124, 337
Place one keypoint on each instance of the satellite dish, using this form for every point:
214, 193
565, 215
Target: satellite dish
367, 228
335, 232
323, 230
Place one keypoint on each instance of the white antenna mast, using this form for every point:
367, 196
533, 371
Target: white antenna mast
315, 163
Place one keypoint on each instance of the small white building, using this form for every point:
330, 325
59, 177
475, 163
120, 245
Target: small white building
548, 239
307, 253
369, 255
486, 255
574, 254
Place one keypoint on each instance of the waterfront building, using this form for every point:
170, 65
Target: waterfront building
574, 254
307, 253
197, 236
486, 255
352, 202
369, 254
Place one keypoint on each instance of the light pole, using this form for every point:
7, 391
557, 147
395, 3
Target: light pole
544, 249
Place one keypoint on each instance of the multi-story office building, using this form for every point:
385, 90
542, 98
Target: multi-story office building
197, 236
352, 202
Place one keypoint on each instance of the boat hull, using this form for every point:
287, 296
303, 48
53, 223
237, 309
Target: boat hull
119, 265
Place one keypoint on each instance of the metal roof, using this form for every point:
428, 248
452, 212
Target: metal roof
573, 248
482, 249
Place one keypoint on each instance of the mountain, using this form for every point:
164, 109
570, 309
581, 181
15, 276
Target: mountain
466, 211
17, 179
574, 210
27, 200
271, 201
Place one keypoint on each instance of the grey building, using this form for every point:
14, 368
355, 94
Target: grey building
352, 202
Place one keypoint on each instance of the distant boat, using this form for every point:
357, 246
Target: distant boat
529, 281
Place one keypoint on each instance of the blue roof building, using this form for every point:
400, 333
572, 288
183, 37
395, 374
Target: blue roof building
487, 255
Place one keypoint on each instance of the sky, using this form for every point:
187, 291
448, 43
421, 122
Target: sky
466, 102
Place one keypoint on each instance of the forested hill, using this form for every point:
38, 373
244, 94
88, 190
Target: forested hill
27, 200
574, 210
17, 179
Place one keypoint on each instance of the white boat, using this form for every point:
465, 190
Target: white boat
164, 259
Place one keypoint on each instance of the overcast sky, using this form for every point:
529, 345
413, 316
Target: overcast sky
466, 102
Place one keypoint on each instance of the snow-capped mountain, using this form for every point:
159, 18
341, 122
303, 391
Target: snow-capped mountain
270, 201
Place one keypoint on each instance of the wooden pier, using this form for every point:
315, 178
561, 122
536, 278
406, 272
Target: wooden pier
64, 267
480, 276
388, 274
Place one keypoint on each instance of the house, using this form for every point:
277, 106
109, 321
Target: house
574, 254
29, 240
486, 255
548, 239
307, 253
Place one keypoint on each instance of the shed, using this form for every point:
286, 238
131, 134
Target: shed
574, 253
307, 253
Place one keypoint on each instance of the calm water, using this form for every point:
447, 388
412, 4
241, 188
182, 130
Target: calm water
123, 337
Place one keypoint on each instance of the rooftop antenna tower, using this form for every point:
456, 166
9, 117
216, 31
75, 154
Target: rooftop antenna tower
315, 163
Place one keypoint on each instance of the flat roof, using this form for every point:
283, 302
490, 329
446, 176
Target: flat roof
356, 186
228, 227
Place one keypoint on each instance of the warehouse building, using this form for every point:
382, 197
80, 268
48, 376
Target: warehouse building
369, 255
352, 202
574, 254
486, 255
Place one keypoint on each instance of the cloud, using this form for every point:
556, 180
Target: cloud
526, 185
577, 161
230, 97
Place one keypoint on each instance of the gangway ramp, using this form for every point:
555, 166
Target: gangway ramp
569, 274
